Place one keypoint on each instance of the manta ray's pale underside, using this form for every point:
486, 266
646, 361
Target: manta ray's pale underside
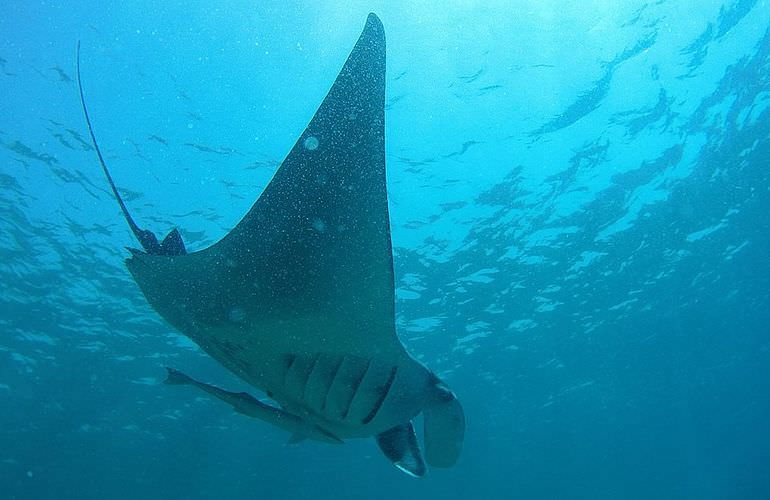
298, 299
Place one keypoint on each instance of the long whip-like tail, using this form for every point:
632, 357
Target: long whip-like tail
146, 238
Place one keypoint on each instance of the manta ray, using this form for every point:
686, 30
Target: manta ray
298, 298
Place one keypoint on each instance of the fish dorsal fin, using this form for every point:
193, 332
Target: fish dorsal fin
309, 267
173, 244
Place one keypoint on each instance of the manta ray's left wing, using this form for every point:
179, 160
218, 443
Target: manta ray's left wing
309, 268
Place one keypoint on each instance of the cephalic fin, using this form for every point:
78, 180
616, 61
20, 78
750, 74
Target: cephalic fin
444, 427
399, 445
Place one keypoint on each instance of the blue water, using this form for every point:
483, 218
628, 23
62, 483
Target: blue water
579, 196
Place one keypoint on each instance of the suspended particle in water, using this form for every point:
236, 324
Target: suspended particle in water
311, 143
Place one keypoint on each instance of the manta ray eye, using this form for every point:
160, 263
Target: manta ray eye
444, 392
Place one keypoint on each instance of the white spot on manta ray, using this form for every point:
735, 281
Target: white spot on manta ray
311, 143
237, 315
319, 225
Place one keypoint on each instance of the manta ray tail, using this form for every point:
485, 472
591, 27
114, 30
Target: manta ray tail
172, 244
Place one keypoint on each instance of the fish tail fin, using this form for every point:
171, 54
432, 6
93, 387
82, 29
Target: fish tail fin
175, 377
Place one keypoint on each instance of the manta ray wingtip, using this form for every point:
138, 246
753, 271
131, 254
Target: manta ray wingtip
373, 22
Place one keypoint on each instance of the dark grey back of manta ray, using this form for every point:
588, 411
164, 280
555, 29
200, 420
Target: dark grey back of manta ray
298, 299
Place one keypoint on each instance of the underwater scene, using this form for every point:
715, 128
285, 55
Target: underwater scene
385, 249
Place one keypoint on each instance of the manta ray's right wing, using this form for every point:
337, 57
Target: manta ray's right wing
310, 265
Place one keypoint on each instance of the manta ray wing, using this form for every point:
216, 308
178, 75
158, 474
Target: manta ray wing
309, 268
